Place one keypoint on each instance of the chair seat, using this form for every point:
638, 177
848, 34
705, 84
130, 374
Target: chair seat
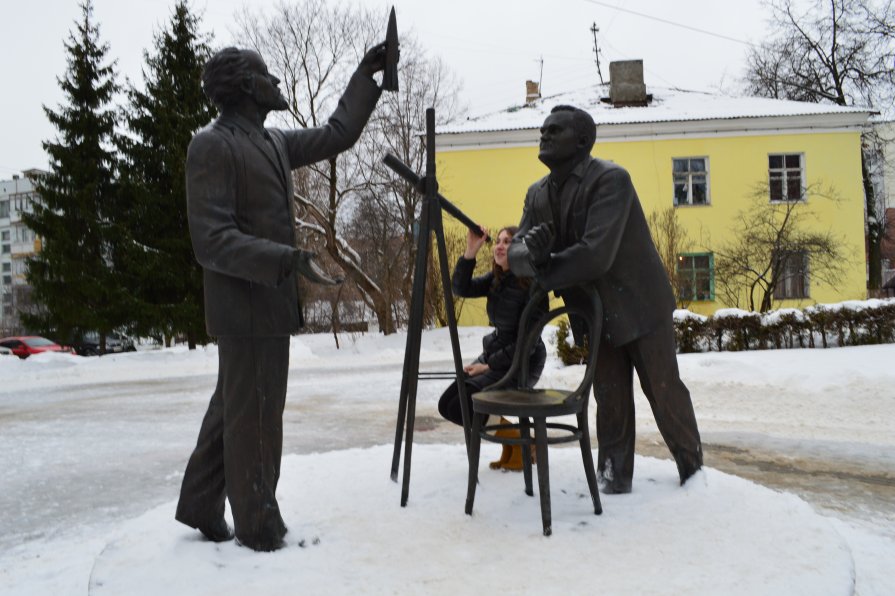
532, 403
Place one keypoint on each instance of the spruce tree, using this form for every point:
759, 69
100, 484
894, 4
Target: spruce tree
165, 280
72, 276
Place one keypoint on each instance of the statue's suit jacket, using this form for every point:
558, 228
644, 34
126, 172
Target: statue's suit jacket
602, 238
241, 213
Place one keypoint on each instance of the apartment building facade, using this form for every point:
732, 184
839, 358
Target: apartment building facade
710, 157
17, 244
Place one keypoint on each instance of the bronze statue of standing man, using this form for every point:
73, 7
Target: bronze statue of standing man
583, 224
241, 216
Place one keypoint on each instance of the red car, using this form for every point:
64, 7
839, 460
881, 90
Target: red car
25, 346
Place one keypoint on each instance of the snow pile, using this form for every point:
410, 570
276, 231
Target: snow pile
717, 535
668, 105
97, 446
682, 314
782, 315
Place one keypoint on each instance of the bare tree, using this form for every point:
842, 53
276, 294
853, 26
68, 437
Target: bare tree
313, 47
771, 243
671, 241
455, 246
397, 128
834, 51
379, 239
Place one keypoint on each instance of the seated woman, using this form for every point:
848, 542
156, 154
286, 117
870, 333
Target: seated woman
507, 296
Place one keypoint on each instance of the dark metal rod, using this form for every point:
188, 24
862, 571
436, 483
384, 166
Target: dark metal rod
404, 171
407, 401
424, 376
402, 413
430, 208
465, 414
407, 405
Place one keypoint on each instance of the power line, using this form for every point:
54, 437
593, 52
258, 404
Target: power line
667, 22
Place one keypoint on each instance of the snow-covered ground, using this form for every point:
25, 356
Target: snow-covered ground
93, 452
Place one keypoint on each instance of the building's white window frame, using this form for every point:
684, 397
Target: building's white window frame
23, 234
685, 176
789, 177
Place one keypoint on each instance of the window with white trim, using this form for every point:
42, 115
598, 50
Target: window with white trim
786, 176
691, 180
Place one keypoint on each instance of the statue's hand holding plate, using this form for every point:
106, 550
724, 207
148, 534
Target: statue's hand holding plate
304, 263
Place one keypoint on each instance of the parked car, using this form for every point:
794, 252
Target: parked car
4, 351
88, 344
26, 345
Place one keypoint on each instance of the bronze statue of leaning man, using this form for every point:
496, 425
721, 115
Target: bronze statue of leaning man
241, 217
583, 225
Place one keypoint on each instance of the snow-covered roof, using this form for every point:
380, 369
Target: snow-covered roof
670, 111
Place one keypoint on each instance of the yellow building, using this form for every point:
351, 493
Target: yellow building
709, 157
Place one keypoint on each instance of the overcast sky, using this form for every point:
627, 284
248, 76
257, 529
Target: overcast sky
492, 45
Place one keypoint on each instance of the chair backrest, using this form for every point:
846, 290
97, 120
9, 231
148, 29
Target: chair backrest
529, 333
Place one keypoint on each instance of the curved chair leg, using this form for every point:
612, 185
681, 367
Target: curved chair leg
525, 433
587, 456
543, 473
475, 444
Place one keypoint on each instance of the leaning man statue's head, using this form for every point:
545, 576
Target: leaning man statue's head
568, 134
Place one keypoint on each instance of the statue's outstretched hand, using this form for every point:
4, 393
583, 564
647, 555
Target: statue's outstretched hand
374, 60
303, 263
538, 241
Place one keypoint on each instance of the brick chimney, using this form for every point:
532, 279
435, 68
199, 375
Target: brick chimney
626, 86
532, 92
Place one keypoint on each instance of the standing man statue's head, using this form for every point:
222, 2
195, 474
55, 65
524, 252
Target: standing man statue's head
238, 80
567, 136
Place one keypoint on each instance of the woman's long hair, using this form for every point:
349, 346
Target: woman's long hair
496, 269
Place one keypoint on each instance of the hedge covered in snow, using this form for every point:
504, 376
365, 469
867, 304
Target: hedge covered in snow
850, 323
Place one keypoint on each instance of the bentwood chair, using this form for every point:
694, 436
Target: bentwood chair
533, 407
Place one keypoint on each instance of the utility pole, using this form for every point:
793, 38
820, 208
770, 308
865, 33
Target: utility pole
594, 29
541, 78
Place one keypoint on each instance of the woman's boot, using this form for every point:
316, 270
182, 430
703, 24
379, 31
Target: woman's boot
511, 457
507, 452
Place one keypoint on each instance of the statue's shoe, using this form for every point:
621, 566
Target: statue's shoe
219, 531
265, 544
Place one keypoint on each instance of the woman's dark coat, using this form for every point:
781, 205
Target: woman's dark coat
506, 301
